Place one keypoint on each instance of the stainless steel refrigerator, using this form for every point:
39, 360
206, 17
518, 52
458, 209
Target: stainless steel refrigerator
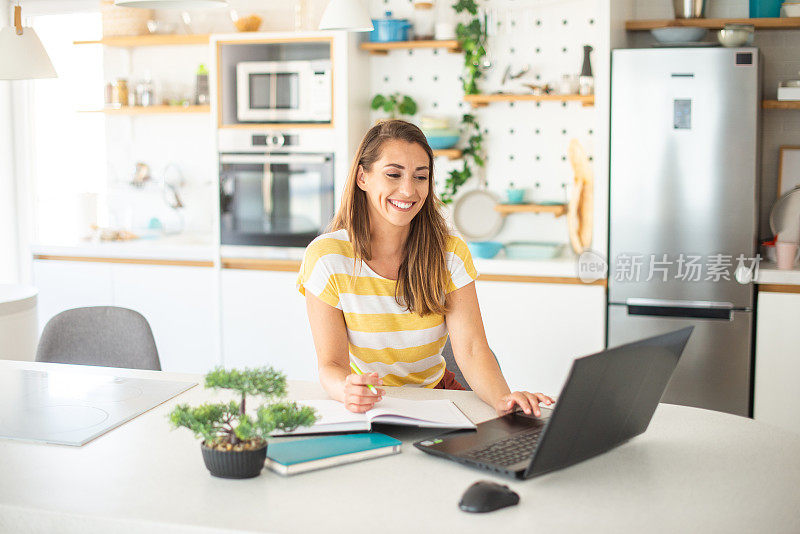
683, 193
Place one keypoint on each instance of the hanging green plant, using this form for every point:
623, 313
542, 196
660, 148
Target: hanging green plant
473, 150
472, 39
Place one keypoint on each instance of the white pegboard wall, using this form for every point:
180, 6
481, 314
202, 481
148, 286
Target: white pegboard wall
526, 142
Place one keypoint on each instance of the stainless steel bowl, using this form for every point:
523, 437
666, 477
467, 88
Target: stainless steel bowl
689, 9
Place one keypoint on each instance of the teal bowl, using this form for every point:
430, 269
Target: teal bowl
442, 138
484, 249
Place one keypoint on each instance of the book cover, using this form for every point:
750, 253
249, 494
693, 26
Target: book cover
298, 456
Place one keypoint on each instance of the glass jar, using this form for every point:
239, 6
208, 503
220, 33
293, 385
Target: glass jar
424, 21
120, 94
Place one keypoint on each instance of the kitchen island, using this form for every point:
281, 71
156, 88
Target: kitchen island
692, 471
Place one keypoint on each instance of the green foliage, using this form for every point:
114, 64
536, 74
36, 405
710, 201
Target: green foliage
474, 150
394, 104
216, 423
264, 381
472, 39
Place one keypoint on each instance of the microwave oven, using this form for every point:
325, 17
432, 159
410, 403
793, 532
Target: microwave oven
284, 91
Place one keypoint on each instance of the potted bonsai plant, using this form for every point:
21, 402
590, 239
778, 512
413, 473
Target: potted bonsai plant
235, 442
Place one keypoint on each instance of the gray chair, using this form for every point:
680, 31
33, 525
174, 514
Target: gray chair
451, 365
99, 335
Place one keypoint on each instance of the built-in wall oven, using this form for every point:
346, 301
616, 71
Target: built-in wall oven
273, 190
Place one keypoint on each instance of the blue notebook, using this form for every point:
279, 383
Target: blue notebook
291, 457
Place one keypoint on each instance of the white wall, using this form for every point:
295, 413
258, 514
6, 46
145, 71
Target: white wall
9, 268
526, 143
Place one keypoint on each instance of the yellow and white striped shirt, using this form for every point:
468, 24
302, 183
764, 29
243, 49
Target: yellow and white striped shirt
404, 348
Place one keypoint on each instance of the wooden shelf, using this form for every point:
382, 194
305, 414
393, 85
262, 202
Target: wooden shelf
782, 23
780, 104
150, 110
484, 100
384, 48
150, 40
449, 153
556, 209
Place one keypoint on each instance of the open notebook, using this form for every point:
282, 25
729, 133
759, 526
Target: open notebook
334, 417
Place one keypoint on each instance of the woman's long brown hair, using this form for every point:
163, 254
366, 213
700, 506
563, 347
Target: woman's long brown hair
423, 276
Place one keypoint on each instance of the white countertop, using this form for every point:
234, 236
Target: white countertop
190, 247
203, 248
768, 273
693, 470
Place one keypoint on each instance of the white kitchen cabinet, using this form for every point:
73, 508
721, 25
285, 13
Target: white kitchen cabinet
264, 322
777, 366
179, 302
64, 285
536, 329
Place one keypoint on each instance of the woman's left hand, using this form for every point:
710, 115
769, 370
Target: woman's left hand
529, 402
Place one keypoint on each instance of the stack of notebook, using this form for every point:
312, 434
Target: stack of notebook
289, 458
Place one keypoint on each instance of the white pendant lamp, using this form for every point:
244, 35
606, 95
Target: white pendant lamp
22, 56
348, 15
172, 4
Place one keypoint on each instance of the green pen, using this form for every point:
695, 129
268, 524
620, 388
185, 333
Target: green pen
358, 371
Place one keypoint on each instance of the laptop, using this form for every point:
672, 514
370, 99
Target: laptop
608, 398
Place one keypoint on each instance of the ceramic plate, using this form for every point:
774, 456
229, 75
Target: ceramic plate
474, 215
784, 218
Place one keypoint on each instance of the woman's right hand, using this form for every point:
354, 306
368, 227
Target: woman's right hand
357, 396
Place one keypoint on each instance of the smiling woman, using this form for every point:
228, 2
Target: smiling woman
388, 284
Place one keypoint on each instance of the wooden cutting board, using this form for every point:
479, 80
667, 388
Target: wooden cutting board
580, 210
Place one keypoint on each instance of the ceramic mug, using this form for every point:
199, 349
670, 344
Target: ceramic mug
786, 254
444, 31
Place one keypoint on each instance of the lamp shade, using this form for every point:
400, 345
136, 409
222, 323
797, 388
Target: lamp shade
347, 15
172, 4
22, 57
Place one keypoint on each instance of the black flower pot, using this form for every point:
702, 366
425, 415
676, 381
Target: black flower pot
234, 464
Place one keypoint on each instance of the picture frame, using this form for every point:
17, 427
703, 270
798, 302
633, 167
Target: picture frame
788, 168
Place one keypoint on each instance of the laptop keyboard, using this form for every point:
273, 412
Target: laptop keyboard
509, 451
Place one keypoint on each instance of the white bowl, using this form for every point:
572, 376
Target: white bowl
678, 34
791, 9
733, 37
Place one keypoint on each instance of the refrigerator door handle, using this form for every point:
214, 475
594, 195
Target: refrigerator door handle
680, 308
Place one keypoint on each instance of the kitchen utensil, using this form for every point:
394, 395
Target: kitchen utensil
580, 210
784, 218
689, 9
141, 174
440, 139
532, 250
475, 216
733, 35
389, 29
785, 254
765, 8
484, 249
678, 34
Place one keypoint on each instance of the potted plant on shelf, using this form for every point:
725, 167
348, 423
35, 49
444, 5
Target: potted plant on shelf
394, 104
234, 442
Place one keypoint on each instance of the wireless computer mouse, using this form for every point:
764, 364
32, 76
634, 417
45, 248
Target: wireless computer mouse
486, 496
